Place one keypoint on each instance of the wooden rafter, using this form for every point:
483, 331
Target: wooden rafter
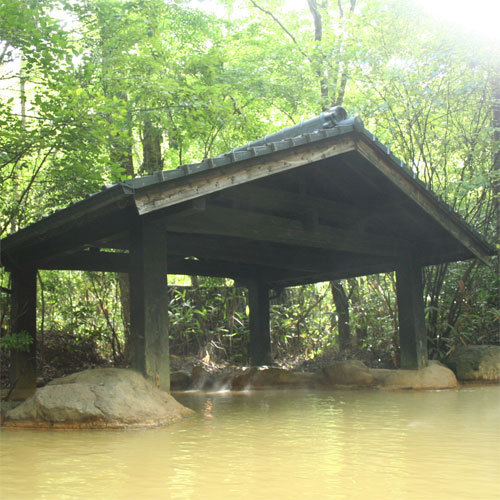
425, 202
269, 228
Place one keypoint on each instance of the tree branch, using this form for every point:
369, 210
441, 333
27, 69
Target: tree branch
280, 24
338, 99
318, 36
318, 25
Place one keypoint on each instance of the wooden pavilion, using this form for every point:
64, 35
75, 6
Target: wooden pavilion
322, 200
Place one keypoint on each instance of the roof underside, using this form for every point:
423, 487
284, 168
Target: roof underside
321, 206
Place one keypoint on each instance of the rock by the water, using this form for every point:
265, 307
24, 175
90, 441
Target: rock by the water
341, 374
433, 376
348, 373
180, 380
263, 378
200, 378
476, 363
97, 398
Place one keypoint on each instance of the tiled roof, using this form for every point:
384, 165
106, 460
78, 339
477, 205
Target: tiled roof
330, 124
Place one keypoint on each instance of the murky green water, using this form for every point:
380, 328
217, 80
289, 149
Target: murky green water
275, 445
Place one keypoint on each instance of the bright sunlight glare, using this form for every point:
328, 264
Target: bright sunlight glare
480, 17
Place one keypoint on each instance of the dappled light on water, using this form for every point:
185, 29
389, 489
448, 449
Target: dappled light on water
275, 445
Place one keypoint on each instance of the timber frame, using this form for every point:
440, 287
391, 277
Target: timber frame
323, 200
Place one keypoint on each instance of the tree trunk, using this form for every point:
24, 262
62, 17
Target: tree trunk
121, 153
318, 57
342, 307
124, 286
151, 147
496, 158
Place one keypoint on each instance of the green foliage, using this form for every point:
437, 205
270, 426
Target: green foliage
19, 341
209, 319
86, 306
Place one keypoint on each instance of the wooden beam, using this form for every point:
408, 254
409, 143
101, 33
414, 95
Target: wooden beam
275, 266
89, 260
76, 215
328, 178
23, 319
260, 334
412, 330
74, 239
269, 228
340, 272
115, 241
251, 252
216, 179
279, 201
149, 302
214, 268
120, 263
398, 209
421, 198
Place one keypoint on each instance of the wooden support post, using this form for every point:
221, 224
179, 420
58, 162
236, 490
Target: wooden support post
149, 303
23, 319
412, 331
260, 334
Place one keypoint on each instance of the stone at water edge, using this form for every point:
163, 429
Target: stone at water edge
98, 398
180, 380
265, 378
433, 376
475, 363
351, 373
200, 378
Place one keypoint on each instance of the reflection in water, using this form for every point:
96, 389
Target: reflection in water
267, 445
207, 409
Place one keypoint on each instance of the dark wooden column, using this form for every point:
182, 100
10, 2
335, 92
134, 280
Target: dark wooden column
149, 302
23, 319
260, 334
412, 331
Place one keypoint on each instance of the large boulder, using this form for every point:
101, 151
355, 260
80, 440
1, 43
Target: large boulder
348, 373
433, 376
476, 363
98, 398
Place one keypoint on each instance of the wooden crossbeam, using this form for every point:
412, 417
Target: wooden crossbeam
76, 238
269, 228
79, 214
283, 201
276, 277
86, 260
256, 253
308, 208
236, 250
120, 262
216, 268
339, 272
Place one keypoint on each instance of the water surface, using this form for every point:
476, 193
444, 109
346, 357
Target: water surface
275, 445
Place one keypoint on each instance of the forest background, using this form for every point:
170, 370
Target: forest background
93, 92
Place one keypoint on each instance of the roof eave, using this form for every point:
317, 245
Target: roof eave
67, 216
